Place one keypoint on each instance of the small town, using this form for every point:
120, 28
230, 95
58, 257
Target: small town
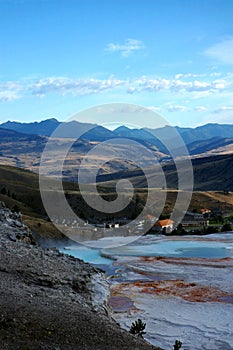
206, 221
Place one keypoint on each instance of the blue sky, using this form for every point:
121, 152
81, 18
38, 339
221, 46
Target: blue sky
58, 57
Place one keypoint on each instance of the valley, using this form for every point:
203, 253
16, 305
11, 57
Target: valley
148, 269
22, 145
116, 175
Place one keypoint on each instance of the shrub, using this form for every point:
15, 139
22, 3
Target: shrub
16, 208
3, 191
137, 328
226, 227
177, 345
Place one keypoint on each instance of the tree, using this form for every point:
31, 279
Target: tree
177, 345
137, 328
13, 196
218, 218
226, 227
15, 208
211, 229
3, 191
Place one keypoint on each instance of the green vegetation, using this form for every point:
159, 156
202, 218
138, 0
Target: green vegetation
138, 328
212, 173
177, 345
19, 189
226, 227
4, 191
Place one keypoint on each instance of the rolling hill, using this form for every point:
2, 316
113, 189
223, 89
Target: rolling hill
25, 150
214, 145
8, 135
20, 188
210, 174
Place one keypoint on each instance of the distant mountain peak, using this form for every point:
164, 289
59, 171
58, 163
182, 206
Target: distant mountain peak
53, 120
122, 128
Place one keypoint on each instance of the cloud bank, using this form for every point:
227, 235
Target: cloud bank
177, 88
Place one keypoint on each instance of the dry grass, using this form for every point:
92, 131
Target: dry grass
212, 200
43, 228
221, 197
25, 186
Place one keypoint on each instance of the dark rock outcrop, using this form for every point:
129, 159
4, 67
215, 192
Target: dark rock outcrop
52, 301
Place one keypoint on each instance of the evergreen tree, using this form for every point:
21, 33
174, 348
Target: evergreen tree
137, 328
177, 345
3, 191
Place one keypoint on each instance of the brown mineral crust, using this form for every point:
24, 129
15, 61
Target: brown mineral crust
213, 262
175, 288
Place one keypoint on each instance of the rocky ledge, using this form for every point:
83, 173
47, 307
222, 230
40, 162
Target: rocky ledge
52, 301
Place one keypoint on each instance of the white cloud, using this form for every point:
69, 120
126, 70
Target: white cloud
127, 48
199, 86
221, 84
149, 84
223, 109
8, 96
154, 108
177, 85
215, 74
131, 89
200, 109
221, 51
65, 85
176, 108
188, 75
191, 86
180, 108
138, 85
9, 91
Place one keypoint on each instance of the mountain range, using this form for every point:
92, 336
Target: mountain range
21, 144
199, 139
72, 129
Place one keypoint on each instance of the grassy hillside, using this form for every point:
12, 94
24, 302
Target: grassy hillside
210, 174
20, 189
214, 144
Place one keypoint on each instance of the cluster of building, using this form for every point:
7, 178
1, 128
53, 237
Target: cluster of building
190, 220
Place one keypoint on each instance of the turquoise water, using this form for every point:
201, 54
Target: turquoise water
164, 247
88, 255
169, 248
